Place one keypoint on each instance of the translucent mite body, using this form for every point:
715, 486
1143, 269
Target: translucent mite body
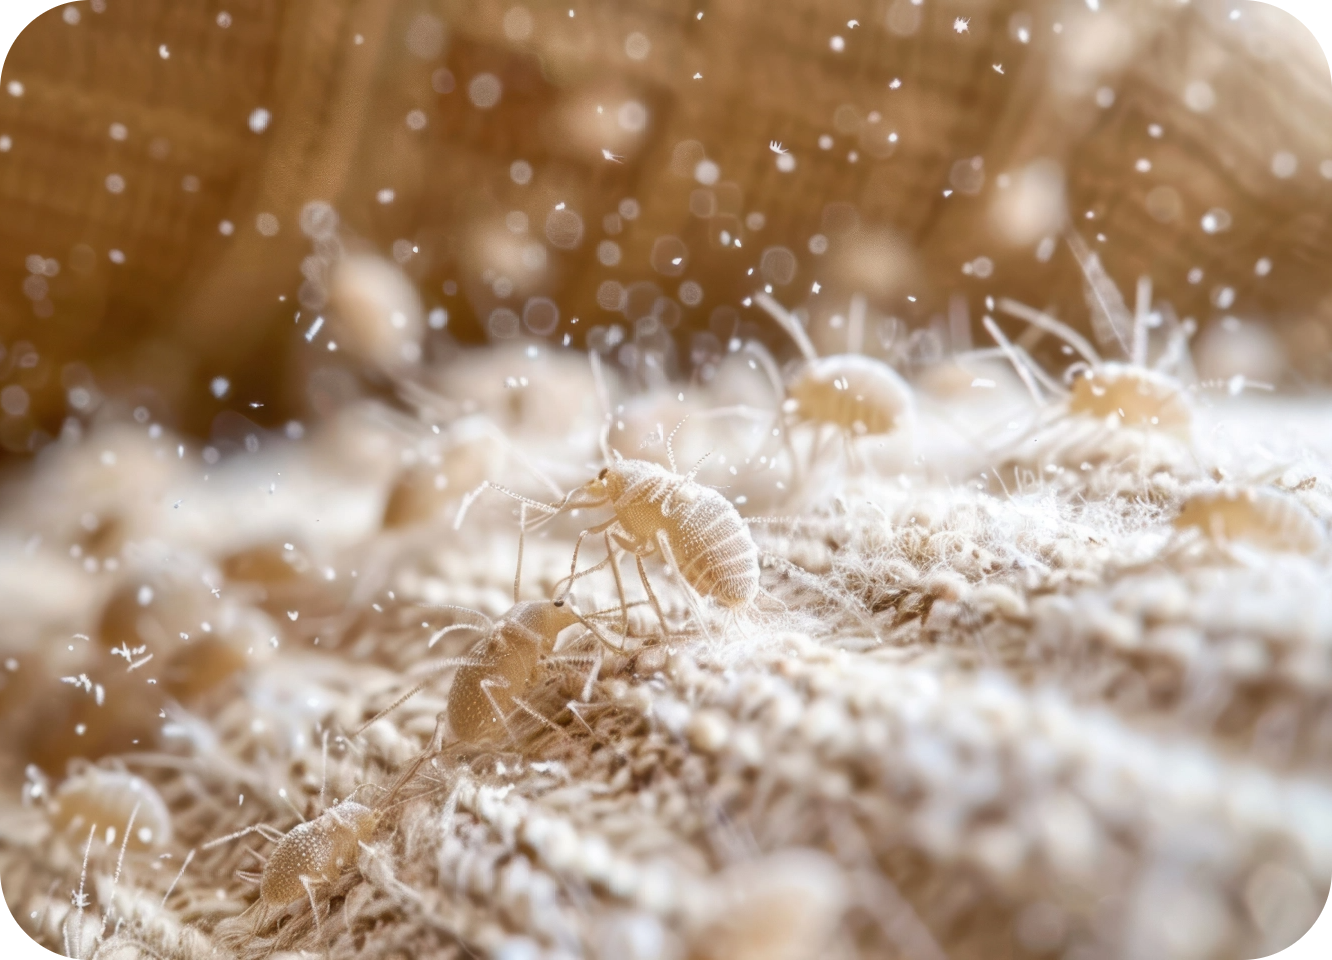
1126, 393
1256, 516
697, 528
320, 851
1134, 396
859, 395
502, 668
114, 802
317, 851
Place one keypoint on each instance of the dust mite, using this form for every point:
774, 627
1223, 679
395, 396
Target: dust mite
496, 675
319, 851
697, 531
1128, 393
856, 394
114, 801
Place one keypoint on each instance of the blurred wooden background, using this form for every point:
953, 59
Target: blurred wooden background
156, 156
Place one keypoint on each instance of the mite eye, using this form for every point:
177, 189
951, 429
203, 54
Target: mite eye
559, 603
602, 474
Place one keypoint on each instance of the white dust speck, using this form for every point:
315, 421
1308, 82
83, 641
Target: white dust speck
518, 24
1216, 220
484, 90
1199, 96
1284, 165
637, 46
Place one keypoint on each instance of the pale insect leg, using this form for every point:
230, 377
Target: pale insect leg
323, 767
518, 570
619, 585
1049, 324
495, 710
314, 909
573, 564
263, 829
1110, 316
538, 716
855, 324
513, 451
1011, 353
442, 666
816, 448
647, 585
788, 323
592, 628
1141, 320
690, 595
592, 677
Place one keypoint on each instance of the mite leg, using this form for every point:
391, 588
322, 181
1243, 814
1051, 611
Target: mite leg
495, 710
691, 596
263, 829
314, 908
573, 564
619, 586
652, 597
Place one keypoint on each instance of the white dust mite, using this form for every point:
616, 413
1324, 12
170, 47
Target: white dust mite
113, 802
857, 394
1257, 516
1125, 392
319, 851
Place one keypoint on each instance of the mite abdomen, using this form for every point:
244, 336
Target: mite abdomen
108, 798
859, 394
712, 546
476, 709
1135, 396
317, 851
1261, 517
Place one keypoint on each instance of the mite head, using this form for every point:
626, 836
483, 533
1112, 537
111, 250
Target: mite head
540, 621
617, 477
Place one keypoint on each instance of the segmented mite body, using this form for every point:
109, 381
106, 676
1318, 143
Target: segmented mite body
504, 666
113, 801
319, 851
316, 851
1134, 396
1257, 516
1118, 393
859, 395
1127, 417
699, 530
